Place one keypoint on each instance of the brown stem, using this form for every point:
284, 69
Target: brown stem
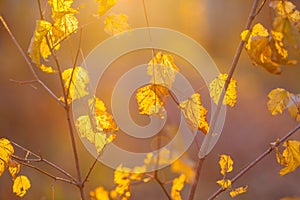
257, 160
56, 178
40, 159
161, 184
236, 58
197, 176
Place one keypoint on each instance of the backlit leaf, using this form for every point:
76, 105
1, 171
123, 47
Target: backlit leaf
216, 87
116, 24
6, 151
278, 100
194, 113
226, 164
21, 185
151, 100
78, 87
266, 49
294, 106
238, 191
178, 184
224, 183
162, 69
290, 158
47, 69
105, 5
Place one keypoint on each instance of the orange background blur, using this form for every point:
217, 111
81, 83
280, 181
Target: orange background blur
29, 117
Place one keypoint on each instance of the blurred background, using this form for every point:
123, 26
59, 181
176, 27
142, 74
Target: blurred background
31, 118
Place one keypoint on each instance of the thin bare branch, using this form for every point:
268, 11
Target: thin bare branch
257, 160
40, 159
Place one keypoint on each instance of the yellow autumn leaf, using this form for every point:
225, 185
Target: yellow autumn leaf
290, 158
162, 69
216, 87
184, 166
177, 186
238, 191
13, 168
78, 86
61, 7
226, 164
38, 45
151, 100
21, 185
104, 6
287, 10
99, 194
294, 106
85, 129
6, 151
278, 100
65, 25
266, 49
194, 113
163, 157
116, 24
104, 120
224, 183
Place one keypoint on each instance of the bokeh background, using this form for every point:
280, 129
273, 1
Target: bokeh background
29, 117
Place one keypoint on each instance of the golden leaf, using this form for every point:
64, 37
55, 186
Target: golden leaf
224, 183
116, 24
6, 151
194, 113
78, 87
99, 194
290, 158
216, 87
225, 163
178, 184
105, 5
47, 69
266, 49
13, 168
278, 100
104, 120
21, 185
162, 69
151, 100
294, 106
238, 191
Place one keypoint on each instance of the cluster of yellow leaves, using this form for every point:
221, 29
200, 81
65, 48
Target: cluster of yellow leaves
290, 157
216, 87
269, 48
226, 165
151, 98
178, 184
280, 99
194, 113
99, 126
184, 166
21, 183
99, 194
76, 80
47, 35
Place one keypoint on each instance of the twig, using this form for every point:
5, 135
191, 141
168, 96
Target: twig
56, 178
41, 159
29, 63
236, 58
161, 184
257, 160
91, 168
